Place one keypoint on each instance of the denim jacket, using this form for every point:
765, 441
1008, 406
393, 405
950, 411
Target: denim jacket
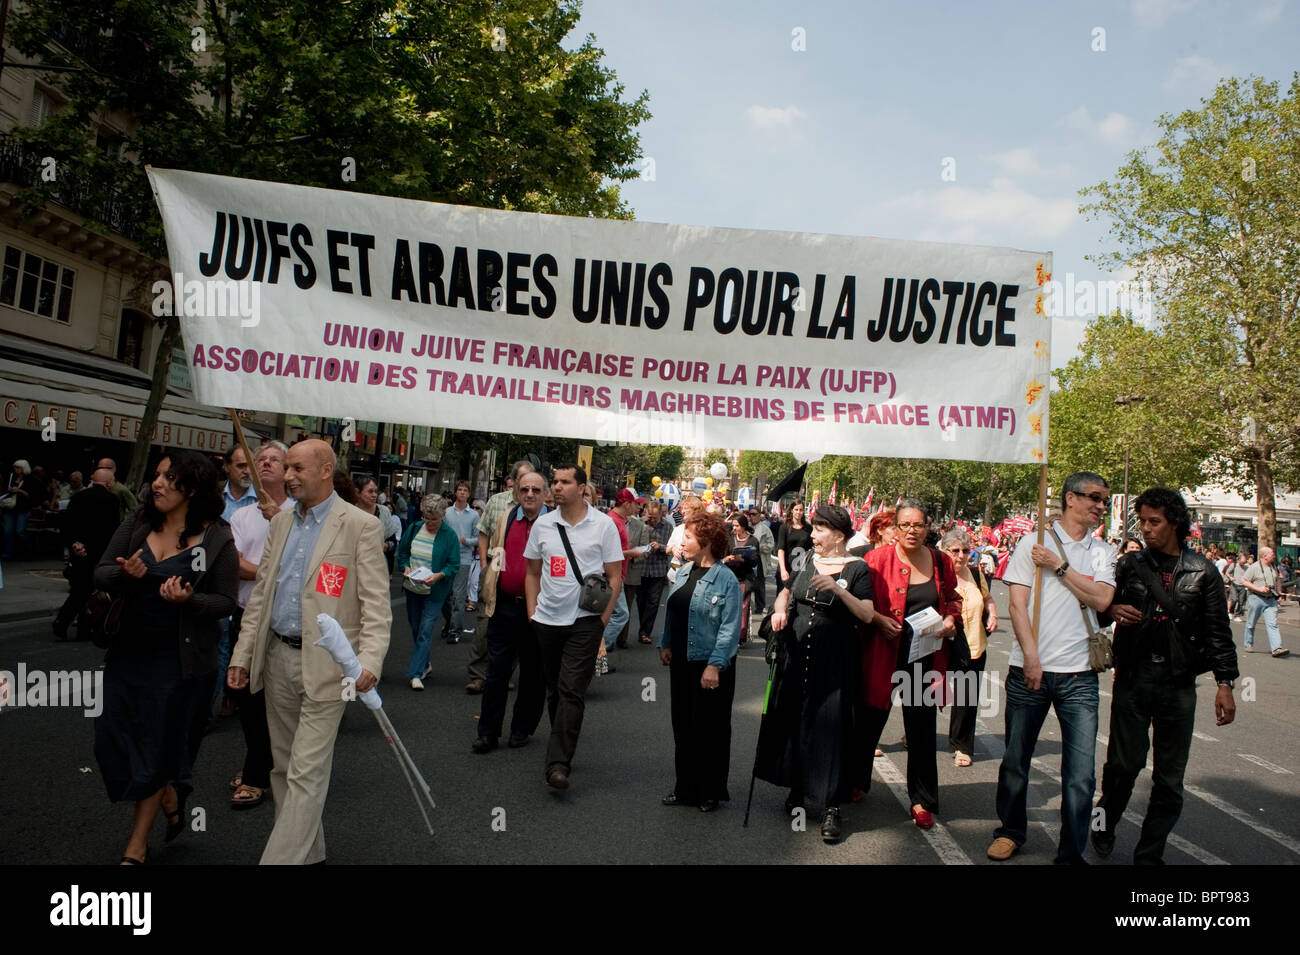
713, 627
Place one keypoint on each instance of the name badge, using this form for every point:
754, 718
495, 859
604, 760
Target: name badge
330, 579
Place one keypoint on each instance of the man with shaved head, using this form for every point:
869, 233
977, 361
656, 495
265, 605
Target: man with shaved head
322, 556
88, 526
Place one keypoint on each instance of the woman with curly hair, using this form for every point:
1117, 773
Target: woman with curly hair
698, 645
174, 565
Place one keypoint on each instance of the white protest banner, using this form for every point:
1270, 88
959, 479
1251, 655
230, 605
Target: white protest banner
323, 302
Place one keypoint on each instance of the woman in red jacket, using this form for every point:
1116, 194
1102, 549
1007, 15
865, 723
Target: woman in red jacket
907, 578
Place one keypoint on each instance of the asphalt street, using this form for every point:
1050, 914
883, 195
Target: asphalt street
1242, 783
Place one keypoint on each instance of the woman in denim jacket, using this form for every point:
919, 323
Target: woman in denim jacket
698, 645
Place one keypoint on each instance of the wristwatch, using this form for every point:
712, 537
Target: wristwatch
1060, 571
1227, 683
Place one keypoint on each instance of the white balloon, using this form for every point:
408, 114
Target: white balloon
718, 471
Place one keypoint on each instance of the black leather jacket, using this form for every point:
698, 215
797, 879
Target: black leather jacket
1207, 639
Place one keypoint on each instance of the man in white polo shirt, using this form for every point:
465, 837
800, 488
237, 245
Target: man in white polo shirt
569, 636
1050, 669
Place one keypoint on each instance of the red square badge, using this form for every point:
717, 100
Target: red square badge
330, 579
557, 566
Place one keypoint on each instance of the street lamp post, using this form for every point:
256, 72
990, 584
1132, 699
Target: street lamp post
1125, 401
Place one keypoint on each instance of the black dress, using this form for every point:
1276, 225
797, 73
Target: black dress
701, 718
141, 738
806, 740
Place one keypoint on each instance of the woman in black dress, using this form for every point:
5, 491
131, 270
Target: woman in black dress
807, 740
792, 543
698, 644
175, 566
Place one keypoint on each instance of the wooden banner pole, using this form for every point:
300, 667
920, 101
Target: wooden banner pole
262, 496
1042, 528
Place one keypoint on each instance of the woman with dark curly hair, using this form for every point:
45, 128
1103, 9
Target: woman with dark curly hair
174, 565
698, 645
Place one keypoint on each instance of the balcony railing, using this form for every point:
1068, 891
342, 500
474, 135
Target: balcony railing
83, 193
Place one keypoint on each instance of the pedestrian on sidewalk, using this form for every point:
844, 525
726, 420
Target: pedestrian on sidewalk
88, 526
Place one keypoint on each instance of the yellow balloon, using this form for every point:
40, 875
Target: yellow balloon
706, 496
659, 492
655, 481
708, 482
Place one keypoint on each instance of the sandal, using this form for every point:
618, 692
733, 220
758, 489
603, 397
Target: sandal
129, 860
961, 759
176, 818
646, 640
246, 797
237, 780
1280, 652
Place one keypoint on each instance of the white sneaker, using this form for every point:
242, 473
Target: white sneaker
416, 683
427, 671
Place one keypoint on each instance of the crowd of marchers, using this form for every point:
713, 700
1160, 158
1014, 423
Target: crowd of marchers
209, 600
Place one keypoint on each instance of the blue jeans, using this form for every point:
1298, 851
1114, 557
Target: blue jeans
422, 613
1075, 698
225, 645
15, 523
617, 620
1257, 606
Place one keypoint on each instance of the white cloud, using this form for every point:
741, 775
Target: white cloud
1268, 11
962, 214
1194, 73
1024, 162
1152, 13
766, 117
1113, 127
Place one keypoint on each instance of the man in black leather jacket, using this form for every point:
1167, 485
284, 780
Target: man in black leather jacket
1159, 652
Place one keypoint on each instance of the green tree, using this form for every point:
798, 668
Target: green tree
1208, 218
775, 464
473, 103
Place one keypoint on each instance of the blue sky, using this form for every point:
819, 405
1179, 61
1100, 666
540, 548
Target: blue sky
850, 134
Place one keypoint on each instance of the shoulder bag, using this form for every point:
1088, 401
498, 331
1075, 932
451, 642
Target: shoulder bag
595, 593
1101, 655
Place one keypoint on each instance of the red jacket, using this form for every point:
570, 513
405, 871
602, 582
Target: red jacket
889, 579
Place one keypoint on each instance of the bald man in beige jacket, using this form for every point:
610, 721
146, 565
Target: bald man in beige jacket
322, 556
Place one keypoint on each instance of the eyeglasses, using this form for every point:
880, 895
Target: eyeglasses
911, 527
531, 490
959, 550
1096, 498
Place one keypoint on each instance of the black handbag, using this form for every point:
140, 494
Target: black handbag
596, 590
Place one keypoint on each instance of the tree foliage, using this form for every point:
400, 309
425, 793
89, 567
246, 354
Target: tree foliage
1210, 218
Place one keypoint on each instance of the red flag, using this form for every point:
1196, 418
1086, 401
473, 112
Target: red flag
834, 487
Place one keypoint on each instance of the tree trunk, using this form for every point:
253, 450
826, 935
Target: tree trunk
988, 500
1265, 504
952, 516
162, 364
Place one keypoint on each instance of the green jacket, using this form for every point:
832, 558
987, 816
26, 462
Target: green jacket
446, 557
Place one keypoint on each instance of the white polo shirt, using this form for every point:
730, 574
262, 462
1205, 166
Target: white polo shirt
595, 543
251, 528
1062, 636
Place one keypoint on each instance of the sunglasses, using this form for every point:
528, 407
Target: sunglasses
959, 550
1101, 499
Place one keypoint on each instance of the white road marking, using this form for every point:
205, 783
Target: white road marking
1271, 767
1204, 736
940, 839
1281, 838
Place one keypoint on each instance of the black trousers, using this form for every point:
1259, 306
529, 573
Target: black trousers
961, 719
919, 723
1146, 699
569, 659
652, 591
701, 729
81, 580
511, 637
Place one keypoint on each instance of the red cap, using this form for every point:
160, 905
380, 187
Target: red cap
625, 496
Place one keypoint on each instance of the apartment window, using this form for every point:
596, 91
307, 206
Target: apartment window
33, 284
42, 106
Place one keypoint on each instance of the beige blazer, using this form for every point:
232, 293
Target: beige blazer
352, 540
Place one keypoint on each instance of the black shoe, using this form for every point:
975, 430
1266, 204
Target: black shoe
518, 739
831, 825
484, 744
709, 805
1103, 843
621, 642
